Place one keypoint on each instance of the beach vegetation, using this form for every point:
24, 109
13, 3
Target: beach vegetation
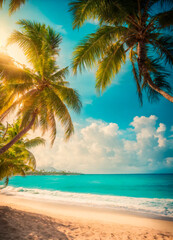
18, 160
43, 172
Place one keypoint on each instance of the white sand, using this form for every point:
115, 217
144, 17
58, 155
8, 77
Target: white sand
33, 219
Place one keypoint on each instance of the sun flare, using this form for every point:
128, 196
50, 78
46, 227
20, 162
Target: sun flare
12, 50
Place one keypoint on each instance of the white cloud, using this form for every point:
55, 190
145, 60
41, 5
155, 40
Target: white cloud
102, 147
93, 21
60, 29
169, 161
144, 122
161, 128
87, 102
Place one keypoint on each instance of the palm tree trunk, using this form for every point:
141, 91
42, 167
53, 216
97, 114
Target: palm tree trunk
144, 71
157, 89
19, 135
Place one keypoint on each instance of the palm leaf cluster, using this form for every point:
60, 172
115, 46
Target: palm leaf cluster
18, 159
134, 27
40, 92
13, 5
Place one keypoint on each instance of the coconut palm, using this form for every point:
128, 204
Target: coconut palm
41, 93
13, 5
18, 159
136, 27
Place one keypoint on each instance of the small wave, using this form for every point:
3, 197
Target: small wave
158, 206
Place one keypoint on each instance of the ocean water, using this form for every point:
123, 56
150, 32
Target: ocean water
142, 193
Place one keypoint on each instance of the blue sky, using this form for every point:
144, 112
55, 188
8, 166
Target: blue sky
118, 105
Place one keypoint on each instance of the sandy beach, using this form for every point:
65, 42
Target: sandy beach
22, 218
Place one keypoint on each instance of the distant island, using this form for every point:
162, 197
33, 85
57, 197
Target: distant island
52, 172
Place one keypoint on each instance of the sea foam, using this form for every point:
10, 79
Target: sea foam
156, 206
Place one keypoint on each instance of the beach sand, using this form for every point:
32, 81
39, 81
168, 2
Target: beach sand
22, 219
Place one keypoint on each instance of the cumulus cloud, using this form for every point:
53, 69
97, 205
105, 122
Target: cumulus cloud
161, 128
60, 29
102, 147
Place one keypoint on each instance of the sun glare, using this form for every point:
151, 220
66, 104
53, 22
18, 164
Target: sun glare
13, 50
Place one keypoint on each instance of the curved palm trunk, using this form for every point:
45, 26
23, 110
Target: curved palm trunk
19, 135
157, 89
5, 183
143, 70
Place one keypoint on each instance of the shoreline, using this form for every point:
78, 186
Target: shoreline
94, 201
75, 205
82, 213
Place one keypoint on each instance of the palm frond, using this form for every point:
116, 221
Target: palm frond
31, 161
69, 96
83, 10
10, 72
15, 4
105, 11
109, 66
34, 142
133, 58
165, 19
52, 125
43, 120
94, 45
12, 103
26, 44
61, 112
155, 65
53, 39
160, 3
29, 107
60, 75
39, 43
164, 45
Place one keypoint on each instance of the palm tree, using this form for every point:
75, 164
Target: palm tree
41, 93
18, 159
13, 5
134, 26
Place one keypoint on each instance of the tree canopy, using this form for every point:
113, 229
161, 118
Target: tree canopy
41, 93
18, 159
127, 26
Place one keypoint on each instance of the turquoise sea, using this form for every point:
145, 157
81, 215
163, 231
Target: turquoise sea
143, 193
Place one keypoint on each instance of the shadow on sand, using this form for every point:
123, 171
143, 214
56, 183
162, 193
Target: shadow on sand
19, 225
